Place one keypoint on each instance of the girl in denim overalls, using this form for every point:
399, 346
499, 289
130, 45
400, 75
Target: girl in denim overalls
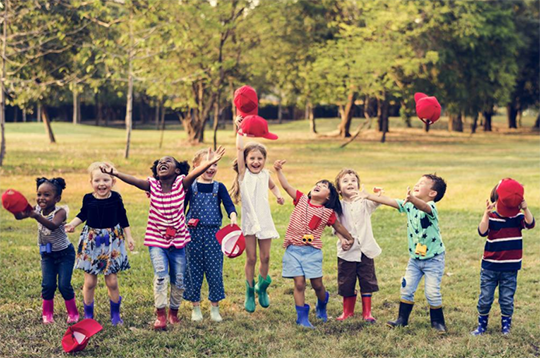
203, 253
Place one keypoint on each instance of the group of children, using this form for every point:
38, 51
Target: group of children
183, 248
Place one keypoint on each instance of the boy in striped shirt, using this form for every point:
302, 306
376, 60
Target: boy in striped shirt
503, 250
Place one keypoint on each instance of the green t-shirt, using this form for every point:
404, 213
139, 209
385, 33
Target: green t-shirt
422, 228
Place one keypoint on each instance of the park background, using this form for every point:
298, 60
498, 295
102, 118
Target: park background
131, 81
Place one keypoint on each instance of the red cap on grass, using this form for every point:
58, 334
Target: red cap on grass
232, 241
76, 337
15, 202
428, 109
255, 126
246, 101
510, 195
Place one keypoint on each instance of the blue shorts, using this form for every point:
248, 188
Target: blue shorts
302, 261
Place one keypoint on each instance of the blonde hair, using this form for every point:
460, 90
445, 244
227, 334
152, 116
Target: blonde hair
249, 147
96, 166
344, 172
199, 155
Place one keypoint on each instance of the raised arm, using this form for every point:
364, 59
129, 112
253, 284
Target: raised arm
142, 184
240, 151
529, 218
211, 159
278, 166
419, 203
484, 223
378, 198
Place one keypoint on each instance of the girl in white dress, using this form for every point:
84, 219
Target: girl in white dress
251, 186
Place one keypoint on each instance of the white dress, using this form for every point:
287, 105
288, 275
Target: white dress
256, 215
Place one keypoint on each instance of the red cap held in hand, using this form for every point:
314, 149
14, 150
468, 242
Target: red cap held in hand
76, 337
246, 101
255, 126
428, 109
510, 196
15, 202
232, 241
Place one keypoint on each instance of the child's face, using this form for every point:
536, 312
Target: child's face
166, 167
422, 189
102, 184
320, 192
348, 185
46, 196
210, 173
255, 161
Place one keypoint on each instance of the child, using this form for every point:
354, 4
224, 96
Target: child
303, 255
257, 225
166, 232
358, 261
57, 252
503, 251
426, 249
102, 249
203, 253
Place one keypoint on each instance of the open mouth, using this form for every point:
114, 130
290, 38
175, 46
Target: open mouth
210, 173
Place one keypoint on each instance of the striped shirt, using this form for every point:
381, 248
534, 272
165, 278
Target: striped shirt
167, 214
308, 219
58, 237
504, 245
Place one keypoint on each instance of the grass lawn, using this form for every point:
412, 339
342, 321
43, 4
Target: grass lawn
471, 165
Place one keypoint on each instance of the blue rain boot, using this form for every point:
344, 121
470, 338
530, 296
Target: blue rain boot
302, 314
88, 310
506, 324
115, 312
321, 308
482, 325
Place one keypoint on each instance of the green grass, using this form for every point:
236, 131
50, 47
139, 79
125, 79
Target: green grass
472, 165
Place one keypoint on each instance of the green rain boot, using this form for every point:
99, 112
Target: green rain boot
260, 288
249, 303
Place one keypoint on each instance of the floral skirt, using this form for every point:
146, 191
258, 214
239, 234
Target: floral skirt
102, 251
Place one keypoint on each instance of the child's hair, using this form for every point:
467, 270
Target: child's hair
494, 196
183, 166
344, 172
333, 201
249, 147
439, 185
198, 157
96, 166
59, 184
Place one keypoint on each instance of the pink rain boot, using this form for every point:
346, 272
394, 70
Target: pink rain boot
47, 311
73, 314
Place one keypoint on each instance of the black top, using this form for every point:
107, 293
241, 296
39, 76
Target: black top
103, 213
223, 196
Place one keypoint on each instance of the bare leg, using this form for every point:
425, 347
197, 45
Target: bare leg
111, 281
264, 256
251, 257
90, 282
299, 290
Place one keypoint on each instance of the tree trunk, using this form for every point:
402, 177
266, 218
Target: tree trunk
426, 127
39, 112
487, 120
347, 115
519, 118
129, 105
455, 122
15, 114
310, 115
24, 115
156, 114
474, 123
216, 119
76, 112
537, 123
47, 122
280, 111
511, 114
384, 108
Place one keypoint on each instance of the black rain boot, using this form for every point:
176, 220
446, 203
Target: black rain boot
403, 318
437, 319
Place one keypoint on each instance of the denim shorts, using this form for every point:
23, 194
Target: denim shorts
302, 261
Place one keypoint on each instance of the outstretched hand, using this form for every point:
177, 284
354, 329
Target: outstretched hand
107, 169
489, 206
238, 121
408, 196
213, 157
278, 164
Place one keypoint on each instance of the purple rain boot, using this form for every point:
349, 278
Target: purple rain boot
88, 310
115, 312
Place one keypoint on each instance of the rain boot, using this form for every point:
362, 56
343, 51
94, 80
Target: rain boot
348, 308
47, 311
403, 317
161, 319
73, 314
506, 324
437, 320
173, 316
482, 325
196, 314
302, 314
115, 312
88, 310
366, 309
214, 314
260, 288
321, 307
249, 303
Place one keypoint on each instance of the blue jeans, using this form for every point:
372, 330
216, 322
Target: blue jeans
433, 270
57, 264
507, 281
169, 266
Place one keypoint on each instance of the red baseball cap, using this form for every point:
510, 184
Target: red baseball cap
255, 126
428, 109
77, 336
15, 202
232, 241
246, 101
510, 195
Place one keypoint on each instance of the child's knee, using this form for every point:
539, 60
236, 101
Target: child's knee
299, 286
251, 259
317, 285
161, 283
112, 282
265, 258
